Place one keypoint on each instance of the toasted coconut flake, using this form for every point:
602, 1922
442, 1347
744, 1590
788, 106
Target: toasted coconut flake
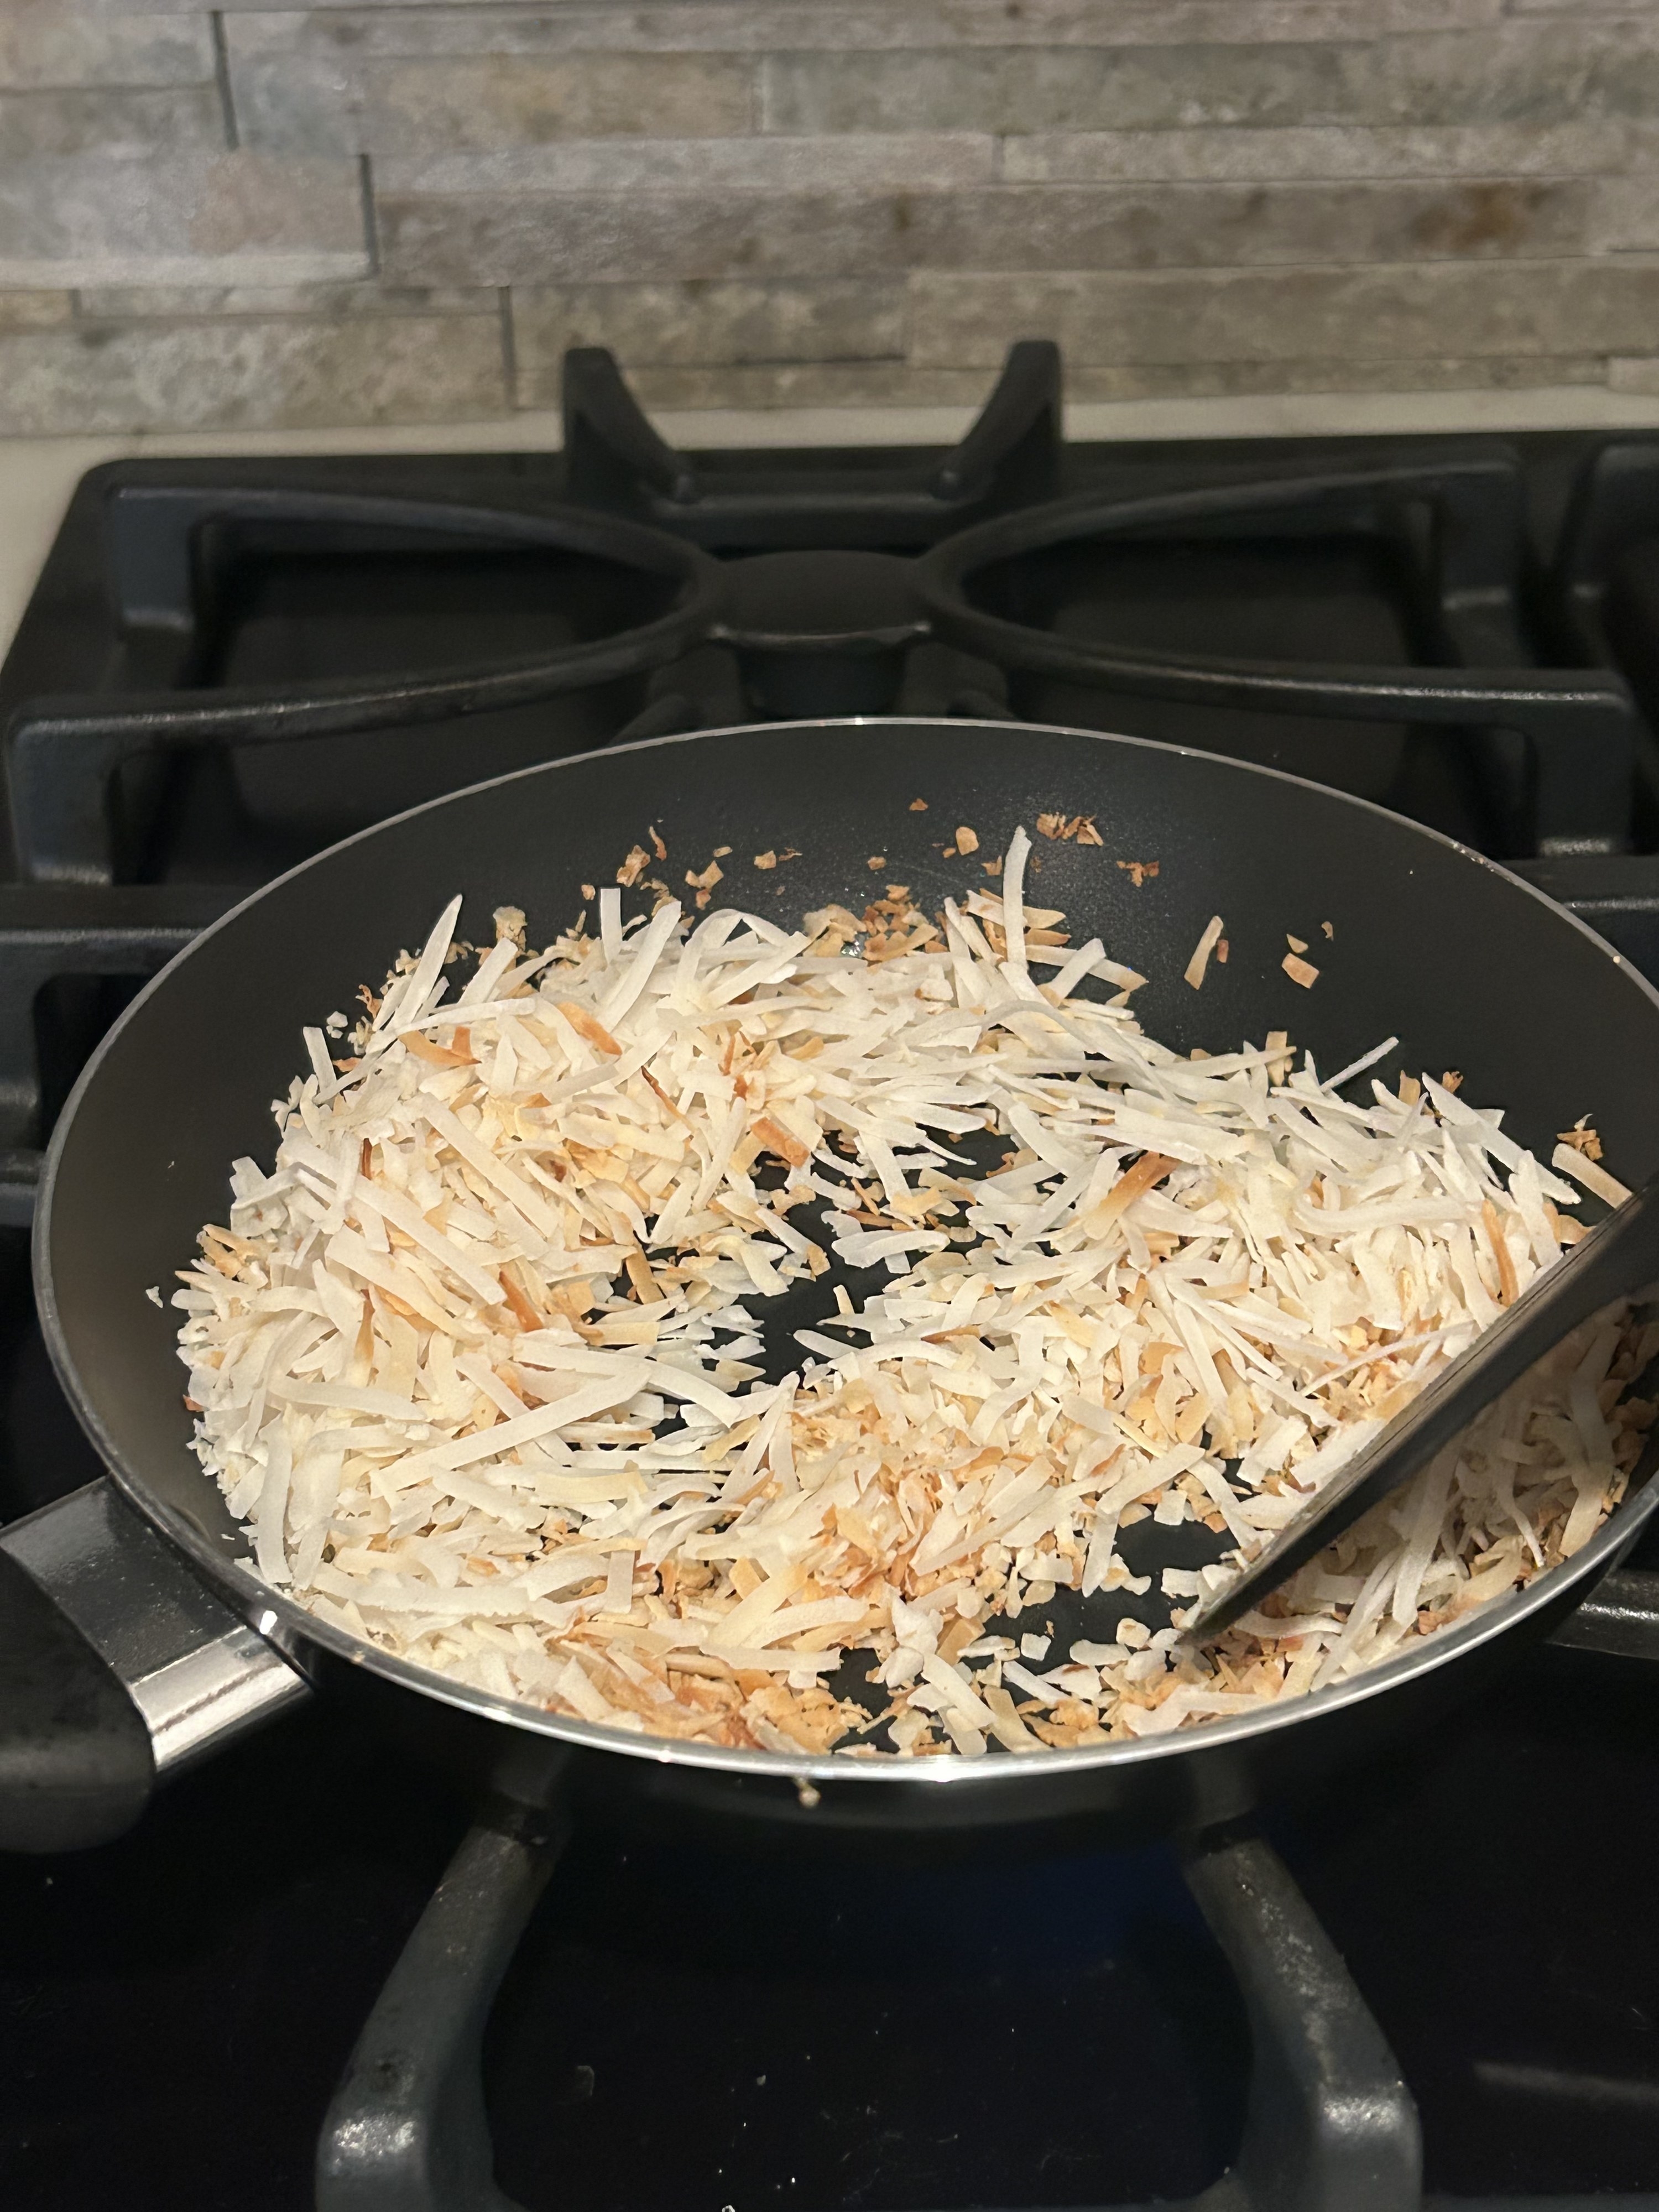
1299, 970
1209, 938
1582, 1138
475, 1362
586, 1026
1568, 1160
1509, 1283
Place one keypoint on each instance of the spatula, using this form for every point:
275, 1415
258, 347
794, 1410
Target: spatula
1618, 1257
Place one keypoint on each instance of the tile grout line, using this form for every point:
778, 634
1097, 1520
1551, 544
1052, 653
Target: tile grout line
221, 79
371, 224
509, 347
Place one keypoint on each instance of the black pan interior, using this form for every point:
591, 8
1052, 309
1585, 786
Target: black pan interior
1469, 968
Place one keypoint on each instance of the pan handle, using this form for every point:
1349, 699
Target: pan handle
1619, 1618
116, 1667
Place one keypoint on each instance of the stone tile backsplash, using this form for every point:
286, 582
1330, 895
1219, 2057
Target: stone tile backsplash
393, 212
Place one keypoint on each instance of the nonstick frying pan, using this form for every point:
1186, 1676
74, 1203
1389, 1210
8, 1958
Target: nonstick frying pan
1467, 966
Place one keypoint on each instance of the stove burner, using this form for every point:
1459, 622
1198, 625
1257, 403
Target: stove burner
171, 557
821, 632
984, 590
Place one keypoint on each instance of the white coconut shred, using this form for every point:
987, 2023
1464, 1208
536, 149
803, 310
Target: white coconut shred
475, 1360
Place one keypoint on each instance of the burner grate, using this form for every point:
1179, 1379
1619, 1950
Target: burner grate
282, 651
245, 611
1328, 2122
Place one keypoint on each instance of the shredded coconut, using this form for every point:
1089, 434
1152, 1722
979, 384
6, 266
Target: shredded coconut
477, 1361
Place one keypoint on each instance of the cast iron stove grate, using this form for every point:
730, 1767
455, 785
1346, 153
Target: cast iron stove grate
227, 665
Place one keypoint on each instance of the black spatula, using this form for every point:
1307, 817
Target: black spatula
1619, 1256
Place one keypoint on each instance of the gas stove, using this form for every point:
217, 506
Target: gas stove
316, 1973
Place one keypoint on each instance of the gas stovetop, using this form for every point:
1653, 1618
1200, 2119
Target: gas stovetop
226, 666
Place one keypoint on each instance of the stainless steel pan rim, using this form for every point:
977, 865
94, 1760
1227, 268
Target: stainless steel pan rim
290, 1628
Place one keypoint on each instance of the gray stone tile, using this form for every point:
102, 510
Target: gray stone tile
1535, 73
34, 311
810, 384
331, 95
180, 219
1240, 225
105, 120
1434, 311
1222, 379
818, 203
506, 238
498, 100
705, 325
45, 46
1314, 151
173, 302
849, 161
514, 238
114, 377
773, 25
1626, 215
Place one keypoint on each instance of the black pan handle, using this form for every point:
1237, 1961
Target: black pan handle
1619, 1618
118, 1668
76, 1764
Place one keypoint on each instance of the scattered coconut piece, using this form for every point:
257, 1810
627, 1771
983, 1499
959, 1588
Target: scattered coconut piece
1208, 939
1299, 970
703, 881
1582, 1138
1568, 1160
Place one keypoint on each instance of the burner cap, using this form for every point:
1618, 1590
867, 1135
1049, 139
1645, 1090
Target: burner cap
820, 601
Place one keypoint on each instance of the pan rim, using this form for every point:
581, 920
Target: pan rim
289, 1626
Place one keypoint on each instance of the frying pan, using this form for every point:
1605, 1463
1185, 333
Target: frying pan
1471, 969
